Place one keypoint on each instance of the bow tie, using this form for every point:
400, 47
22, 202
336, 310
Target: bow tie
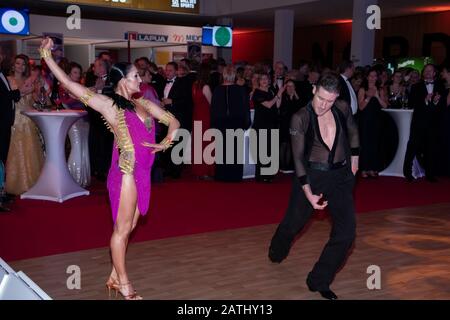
280, 78
429, 82
170, 81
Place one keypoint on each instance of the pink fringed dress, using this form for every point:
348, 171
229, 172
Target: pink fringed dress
131, 156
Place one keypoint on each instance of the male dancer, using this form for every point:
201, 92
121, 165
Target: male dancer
325, 147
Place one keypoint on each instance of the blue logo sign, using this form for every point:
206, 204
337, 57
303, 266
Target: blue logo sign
14, 22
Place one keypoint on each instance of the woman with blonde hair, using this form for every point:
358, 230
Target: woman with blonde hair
25, 155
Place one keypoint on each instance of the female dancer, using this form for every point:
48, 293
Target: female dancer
129, 176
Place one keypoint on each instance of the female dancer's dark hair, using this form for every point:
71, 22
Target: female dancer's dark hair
117, 72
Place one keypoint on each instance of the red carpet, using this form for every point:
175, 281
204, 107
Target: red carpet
39, 228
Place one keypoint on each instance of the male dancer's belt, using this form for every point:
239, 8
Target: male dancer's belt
326, 166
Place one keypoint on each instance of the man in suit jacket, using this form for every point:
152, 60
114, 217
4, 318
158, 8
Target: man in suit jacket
278, 80
158, 82
177, 99
428, 102
347, 94
178, 96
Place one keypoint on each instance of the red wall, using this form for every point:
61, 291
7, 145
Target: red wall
258, 46
253, 46
338, 36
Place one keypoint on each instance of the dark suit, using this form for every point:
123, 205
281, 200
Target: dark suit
158, 82
424, 135
275, 86
7, 113
215, 80
344, 93
181, 108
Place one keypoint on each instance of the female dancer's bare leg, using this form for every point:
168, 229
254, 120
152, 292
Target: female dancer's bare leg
114, 277
122, 229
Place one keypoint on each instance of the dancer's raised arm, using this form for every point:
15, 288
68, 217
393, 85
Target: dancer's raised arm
164, 117
98, 102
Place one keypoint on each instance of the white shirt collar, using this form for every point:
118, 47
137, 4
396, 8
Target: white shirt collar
2, 76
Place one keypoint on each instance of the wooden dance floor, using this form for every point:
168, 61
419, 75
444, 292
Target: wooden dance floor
410, 245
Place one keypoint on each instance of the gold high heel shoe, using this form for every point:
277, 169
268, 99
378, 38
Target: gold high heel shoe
131, 296
112, 284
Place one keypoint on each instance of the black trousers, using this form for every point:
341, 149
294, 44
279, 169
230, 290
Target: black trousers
5, 138
337, 188
423, 144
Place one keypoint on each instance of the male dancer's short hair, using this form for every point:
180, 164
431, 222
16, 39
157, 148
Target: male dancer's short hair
329, 81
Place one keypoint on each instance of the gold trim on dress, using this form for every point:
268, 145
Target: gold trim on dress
125, 144
85, 97
166, 118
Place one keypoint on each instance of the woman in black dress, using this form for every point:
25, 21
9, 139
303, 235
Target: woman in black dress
290, 104
371, 98
229, 110
266, 104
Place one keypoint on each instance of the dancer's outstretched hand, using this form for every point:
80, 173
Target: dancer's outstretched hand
156, 146
47, 43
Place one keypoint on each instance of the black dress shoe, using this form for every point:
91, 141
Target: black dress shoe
327, 294
409, 178
277, 257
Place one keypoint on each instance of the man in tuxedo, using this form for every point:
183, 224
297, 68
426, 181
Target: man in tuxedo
347, 94
428, 102
177, 99
158, 82
278, 76
7, 114
178, 96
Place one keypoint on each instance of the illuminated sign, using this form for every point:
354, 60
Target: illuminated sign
184, 4
14, 22
146, 37
217, 36
180, 6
